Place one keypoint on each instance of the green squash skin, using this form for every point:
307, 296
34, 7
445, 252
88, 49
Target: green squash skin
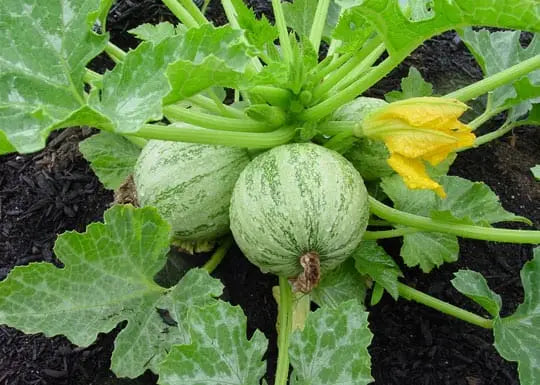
294, 199
190, 185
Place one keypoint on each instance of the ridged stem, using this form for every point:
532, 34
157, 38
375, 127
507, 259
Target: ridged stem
218, 255
284, 332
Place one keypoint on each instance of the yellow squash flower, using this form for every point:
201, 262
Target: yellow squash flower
417, 130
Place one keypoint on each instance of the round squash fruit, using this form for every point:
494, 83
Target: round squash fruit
298, 211
190, 185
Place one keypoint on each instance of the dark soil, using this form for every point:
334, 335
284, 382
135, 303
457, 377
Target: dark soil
44, 194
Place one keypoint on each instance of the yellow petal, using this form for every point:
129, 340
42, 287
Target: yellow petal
417, 143
413, 172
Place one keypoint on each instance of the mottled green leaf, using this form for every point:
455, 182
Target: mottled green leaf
332, 348
413, 85
156, 33
474, 286
219, 353
207, 56
352, 30
429, 250
340, 285
132, 92
371, 259
536, 171
107, 278
416, 10
402, 36
497, 51
44, 48
111, 156
517, 337
299, 15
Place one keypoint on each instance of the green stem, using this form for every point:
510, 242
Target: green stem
384, 234
505, 128
328, 65
194, 11
218, 255
284, 332
116, 53
91, 76
273, 95
499, 79
462, 230
139, 142
329, 105
354, 68
485, 116
186, 133
379, 222
319, 21
284, 41
181, 13
334, 127
215, 122
215, 106
411, 294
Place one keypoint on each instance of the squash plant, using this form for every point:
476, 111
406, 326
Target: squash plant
298, 209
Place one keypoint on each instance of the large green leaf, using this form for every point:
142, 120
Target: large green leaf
413, 85
340, 285
207, 56
402, 36
44, 48
107, 278
497, 51
219, 353
429, 250
332, 348
371, 259
517, 337
111, 156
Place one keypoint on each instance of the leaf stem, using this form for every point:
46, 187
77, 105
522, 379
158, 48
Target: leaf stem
284, 332
412, 294
218, 255
90, 76
194, 11
180, 132
506, 127
215, 122
328, 65
329, 105
284, 41
462, 230
319, 22
384, 234
116, 53
181, 13
491, 82
334, 127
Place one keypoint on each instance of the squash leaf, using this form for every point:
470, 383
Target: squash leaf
156, 33
371, 259
259, 32
340, 285
413, 85
107, 278
111, 156
44, 49
517, 337
332, 348
219, 353
536, 171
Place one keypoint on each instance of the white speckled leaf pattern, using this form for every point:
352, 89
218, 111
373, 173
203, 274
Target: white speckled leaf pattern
332, 348
220, 353
295, 199
517, 337
44, 48
107, 278
190, 184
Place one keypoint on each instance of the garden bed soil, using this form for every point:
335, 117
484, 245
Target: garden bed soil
47, 193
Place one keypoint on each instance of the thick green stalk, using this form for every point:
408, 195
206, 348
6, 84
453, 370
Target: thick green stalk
181, 13
284, 332
194, 11
327, 66
218, 255
284, 41
411, 294
384, 234
91, 76
494, 81
331, 104
180, 132
505, 128
319, 21
215, 106
116, 53
215, 122
466, 231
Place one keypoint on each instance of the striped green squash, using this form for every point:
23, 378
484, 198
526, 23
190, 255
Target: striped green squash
190, 185
297, 199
